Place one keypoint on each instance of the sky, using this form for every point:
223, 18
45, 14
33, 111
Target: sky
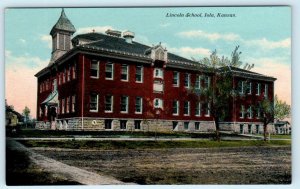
263, 34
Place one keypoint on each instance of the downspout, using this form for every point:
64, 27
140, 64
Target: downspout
82, 92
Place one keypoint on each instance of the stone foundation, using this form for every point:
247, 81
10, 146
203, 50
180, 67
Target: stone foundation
246, 127
98, 124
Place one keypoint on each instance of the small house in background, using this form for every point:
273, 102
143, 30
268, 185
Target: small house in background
283, 127
12, 118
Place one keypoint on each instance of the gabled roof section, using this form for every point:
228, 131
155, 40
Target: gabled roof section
63, 23
102, 41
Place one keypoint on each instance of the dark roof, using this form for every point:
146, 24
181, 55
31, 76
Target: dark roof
63, 23
99, 40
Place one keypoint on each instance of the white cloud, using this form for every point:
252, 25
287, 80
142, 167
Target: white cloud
267, 44
210, 36
20, 83
278, 68
23, 41
99, 29
189, 52
47, 39
164, 25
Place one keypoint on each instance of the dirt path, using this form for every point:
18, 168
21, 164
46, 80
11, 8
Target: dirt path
70, 172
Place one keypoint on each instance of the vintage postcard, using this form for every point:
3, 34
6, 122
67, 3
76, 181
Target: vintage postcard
148, 95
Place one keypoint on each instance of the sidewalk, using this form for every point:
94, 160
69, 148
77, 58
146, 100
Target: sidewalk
69, 172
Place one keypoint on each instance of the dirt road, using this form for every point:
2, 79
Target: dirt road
243, 165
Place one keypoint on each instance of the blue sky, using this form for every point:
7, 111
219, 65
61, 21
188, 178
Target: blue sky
263, 33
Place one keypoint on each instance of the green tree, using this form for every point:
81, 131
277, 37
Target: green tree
221, 90
26, 114
266, 108
281, 110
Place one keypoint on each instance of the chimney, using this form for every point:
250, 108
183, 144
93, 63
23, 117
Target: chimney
128, 35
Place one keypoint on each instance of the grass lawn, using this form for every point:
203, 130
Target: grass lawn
278, 136
76, 144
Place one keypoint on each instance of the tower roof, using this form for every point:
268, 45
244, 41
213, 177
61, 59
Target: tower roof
63, 23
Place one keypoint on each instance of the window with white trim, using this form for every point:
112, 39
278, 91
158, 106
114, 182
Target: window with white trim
186, 125
250, 112
73, 103
242, 112
207, 82
187, 78
266, 90
249, 88
186, 108
176, 107
139, 74
124, 72
176, 79
138, 105
241, 85
123, 124
109, 71
108, 103
63, 106
207, 109
198, 82
258, 86
124, 104
94, 102
94, 72
158, 73
198, 109
68, 105
158, 103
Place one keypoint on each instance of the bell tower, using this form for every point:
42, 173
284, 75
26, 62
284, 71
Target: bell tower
61, 34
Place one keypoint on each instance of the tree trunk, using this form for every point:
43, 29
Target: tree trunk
218, 135
265, 131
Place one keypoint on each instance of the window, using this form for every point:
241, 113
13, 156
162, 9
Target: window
68, 105
69, 74
206, 82
187, 80
266, 90
198, 82
207, 110
158, 103
123, 124
108, 124
186, 125
137, 124
198, 109
108, 103
250, 112
258, 112
73, 103
258, 85
257, 129
249, 88
124, 72
197, 125
74, 72
176, 107
139, 74
94, 73
249, 128
93, 103
109, 71
174, 124
186, 109
158, 73
241, 87
242, 111
176, 79
124, 104
138, 105
62, 106
64, 76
